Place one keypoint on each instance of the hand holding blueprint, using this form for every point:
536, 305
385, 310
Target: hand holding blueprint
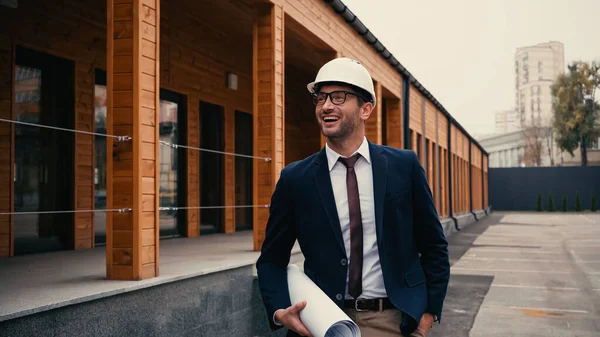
321, 315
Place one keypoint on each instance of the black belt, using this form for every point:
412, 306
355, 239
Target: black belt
375, 304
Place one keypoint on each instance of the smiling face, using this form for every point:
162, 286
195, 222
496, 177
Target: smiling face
341, 119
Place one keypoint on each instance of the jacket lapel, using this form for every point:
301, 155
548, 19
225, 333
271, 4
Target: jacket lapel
379, 162
323, 184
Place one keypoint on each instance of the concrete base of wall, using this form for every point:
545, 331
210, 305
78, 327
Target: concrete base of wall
465, 220
479, 214
449, 226
225, 303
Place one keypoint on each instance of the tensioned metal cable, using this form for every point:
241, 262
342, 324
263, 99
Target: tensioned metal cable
211, 207
118, 138
123, 210
118, 210
175, 146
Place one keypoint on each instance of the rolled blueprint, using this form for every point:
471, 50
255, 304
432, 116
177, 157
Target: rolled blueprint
321, 315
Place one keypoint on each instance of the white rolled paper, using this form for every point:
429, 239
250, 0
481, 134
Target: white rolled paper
321, 315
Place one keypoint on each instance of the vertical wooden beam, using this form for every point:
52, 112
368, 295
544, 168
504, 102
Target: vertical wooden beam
429, 152
373, 127
395, 131
485, 182
6, 146
268, 76
193, 167
229, 174
445, 189
84, 155
132, 166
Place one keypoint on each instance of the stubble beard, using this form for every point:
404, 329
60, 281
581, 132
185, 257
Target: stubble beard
348, 125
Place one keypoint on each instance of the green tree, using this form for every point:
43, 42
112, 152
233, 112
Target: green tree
576, 112
539, 202
594, 208
550, 203
564, 203
577, 202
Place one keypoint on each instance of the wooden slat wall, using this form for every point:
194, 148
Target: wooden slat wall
320, 19
431, 135
459, 172
374, 123
229, 170
132, 167
268, 111
445, 179
443, 161
84, 154
195, 64
430, 112
193, 164
466, 172
6, 145
476, 178
395, 129
303, 137
74, 30
415, 110
430, 164
485, 182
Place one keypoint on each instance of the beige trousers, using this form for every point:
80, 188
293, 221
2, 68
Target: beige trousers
384, 323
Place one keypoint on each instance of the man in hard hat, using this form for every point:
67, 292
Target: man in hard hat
364, 217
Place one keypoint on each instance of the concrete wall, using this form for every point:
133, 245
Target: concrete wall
221, 304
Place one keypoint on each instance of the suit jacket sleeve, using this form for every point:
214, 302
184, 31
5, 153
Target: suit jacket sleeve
430, 240
275, 252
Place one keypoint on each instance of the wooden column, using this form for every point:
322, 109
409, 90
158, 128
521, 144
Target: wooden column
373, 130
6, 146
429, 151
394, 132
193, 167
268, 76
444, 184
229, 174
485, 182
84, 155
132, 166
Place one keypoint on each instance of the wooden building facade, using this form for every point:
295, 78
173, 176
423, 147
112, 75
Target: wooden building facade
159, 82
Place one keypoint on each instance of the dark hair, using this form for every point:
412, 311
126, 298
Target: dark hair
362, 95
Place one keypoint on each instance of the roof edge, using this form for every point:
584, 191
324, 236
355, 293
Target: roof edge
341, 9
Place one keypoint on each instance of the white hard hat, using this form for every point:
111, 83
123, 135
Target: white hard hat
348, 71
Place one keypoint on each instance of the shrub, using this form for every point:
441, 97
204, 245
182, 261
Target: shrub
550, 203
594, 206
564, 203
539, 202
577, 202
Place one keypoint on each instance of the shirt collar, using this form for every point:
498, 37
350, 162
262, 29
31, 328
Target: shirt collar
332, 156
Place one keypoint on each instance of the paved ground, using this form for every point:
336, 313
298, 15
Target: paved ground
525, 274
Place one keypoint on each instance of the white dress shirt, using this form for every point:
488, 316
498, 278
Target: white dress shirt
372, 280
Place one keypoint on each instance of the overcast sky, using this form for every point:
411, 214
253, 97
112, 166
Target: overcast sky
462, 51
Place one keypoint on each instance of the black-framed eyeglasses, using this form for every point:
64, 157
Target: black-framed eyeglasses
336, 97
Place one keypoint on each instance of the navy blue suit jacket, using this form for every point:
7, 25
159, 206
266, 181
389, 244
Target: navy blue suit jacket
412, 246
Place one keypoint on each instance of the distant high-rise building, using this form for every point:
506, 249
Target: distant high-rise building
506, 121
536, 68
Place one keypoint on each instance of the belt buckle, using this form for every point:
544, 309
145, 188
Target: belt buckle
356, 306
